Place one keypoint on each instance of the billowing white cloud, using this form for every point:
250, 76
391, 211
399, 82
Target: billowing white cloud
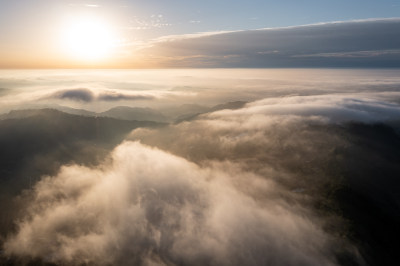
331, 107
150, 207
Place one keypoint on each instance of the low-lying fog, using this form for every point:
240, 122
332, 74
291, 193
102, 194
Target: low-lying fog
200, 167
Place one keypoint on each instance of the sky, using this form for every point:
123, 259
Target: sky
274, 158
38, 33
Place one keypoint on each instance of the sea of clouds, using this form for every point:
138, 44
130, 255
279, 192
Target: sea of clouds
255, 185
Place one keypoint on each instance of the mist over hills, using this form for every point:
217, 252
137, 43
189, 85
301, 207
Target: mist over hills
119, 112
135, 113
288, 172
27, 133
348, 170
38, 142
178, 113
191, 115
330, 183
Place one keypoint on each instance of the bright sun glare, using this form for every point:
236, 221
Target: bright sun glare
88, 39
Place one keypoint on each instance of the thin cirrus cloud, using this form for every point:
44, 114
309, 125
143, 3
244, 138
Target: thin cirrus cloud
363, 43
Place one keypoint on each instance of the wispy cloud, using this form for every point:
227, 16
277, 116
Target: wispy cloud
92, 5
179, 37
150, 22
356, 54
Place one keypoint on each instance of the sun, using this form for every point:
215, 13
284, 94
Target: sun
88, 39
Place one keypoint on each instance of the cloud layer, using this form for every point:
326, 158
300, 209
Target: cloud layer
162, 89
246, 200
304, 173
337, 150
367, 43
